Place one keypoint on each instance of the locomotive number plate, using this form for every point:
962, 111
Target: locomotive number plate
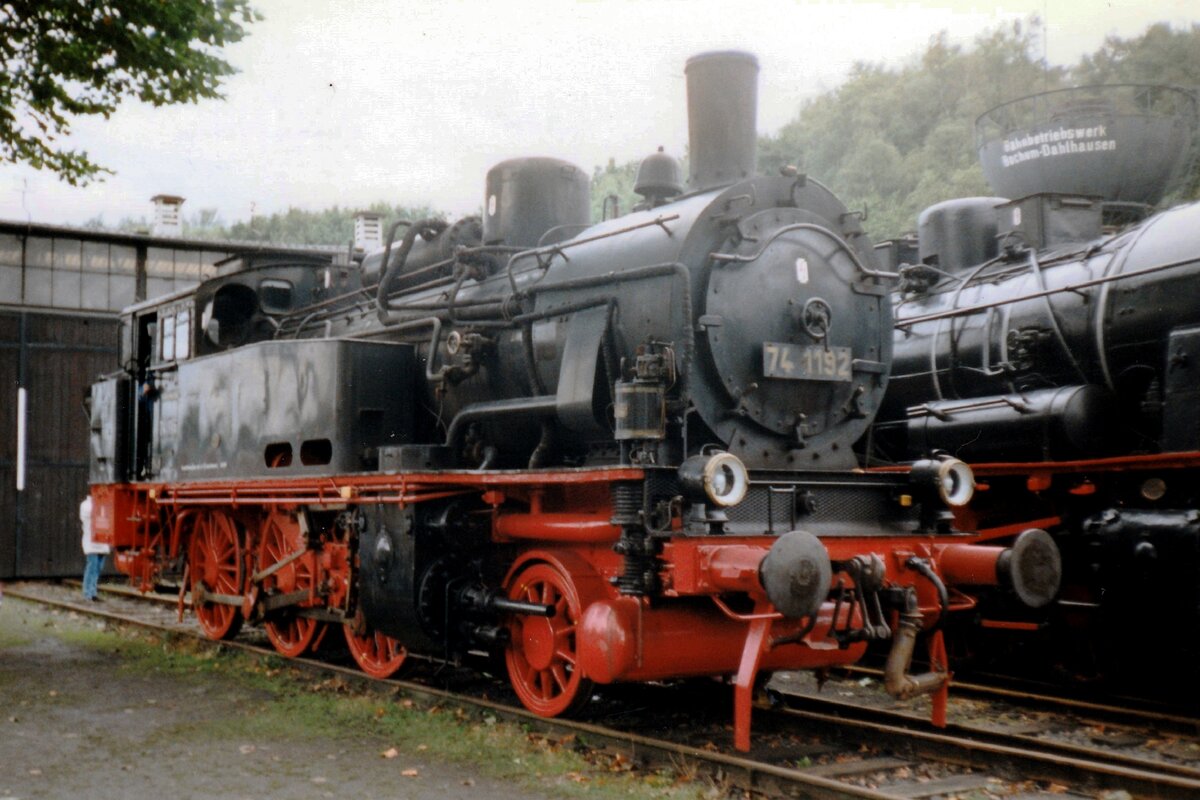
806, 362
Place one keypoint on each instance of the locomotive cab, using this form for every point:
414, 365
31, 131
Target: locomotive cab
237, 307
250, 294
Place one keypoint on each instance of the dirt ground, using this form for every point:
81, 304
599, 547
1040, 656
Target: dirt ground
79, 723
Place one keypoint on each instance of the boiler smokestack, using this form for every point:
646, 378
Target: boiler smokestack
722, 91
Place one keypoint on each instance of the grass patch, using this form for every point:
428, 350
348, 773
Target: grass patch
268, 699
13, 628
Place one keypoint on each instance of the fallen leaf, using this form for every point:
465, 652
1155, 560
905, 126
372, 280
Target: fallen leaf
247, 749
391, 752
410, 773
468, 782
422, 747
54, 693
35, 771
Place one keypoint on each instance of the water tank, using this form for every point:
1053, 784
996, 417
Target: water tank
1123, 143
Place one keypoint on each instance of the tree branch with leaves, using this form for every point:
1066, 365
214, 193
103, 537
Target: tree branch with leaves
65, 59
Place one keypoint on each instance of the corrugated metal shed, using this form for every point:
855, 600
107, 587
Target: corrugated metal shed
61, 291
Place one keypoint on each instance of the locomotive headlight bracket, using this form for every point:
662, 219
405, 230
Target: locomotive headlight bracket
952, 479
719, 478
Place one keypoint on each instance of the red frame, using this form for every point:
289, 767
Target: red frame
566, 525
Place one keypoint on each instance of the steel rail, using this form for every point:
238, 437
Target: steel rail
1011, 762
1123, 766
745, 773
1029, 764
1090, 710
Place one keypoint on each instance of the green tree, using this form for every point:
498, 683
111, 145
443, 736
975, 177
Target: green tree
328, 226
296, 226
613, 181
1161, 55
204, 224
64, 59
895, 141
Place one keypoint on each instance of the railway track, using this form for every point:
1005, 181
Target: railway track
1037, 696
1070, 696
1142, 740
832, 745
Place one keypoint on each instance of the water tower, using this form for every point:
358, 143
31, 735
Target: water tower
1125, 143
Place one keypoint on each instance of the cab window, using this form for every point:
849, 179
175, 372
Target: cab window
275, 295
183, 334
166, 351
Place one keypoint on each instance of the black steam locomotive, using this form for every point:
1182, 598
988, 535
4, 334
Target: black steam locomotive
619, 451
1053, 342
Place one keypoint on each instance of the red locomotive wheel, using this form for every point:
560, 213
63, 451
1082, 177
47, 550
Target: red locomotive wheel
376, 654
281, 540
216, 569
542, 656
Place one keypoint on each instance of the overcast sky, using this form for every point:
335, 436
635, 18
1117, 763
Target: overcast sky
350, 101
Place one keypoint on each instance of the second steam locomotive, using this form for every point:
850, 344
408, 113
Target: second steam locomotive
619, 451
1053, 341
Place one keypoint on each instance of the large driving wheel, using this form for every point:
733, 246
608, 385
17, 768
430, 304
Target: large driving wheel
282, 542
217, 574
376, 654
542, 655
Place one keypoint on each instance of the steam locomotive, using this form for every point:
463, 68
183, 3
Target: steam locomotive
619, 451
1053, 342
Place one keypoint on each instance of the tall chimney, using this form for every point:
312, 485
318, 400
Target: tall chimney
368, 231
167, 221
722, 91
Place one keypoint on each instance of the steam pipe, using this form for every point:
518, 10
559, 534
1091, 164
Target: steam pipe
966, 311
896, 679
543, 406
806, 226
542, 451
1052, 315
557, 249
921, 566
557, 527
676, 268
381, 292
425, 227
